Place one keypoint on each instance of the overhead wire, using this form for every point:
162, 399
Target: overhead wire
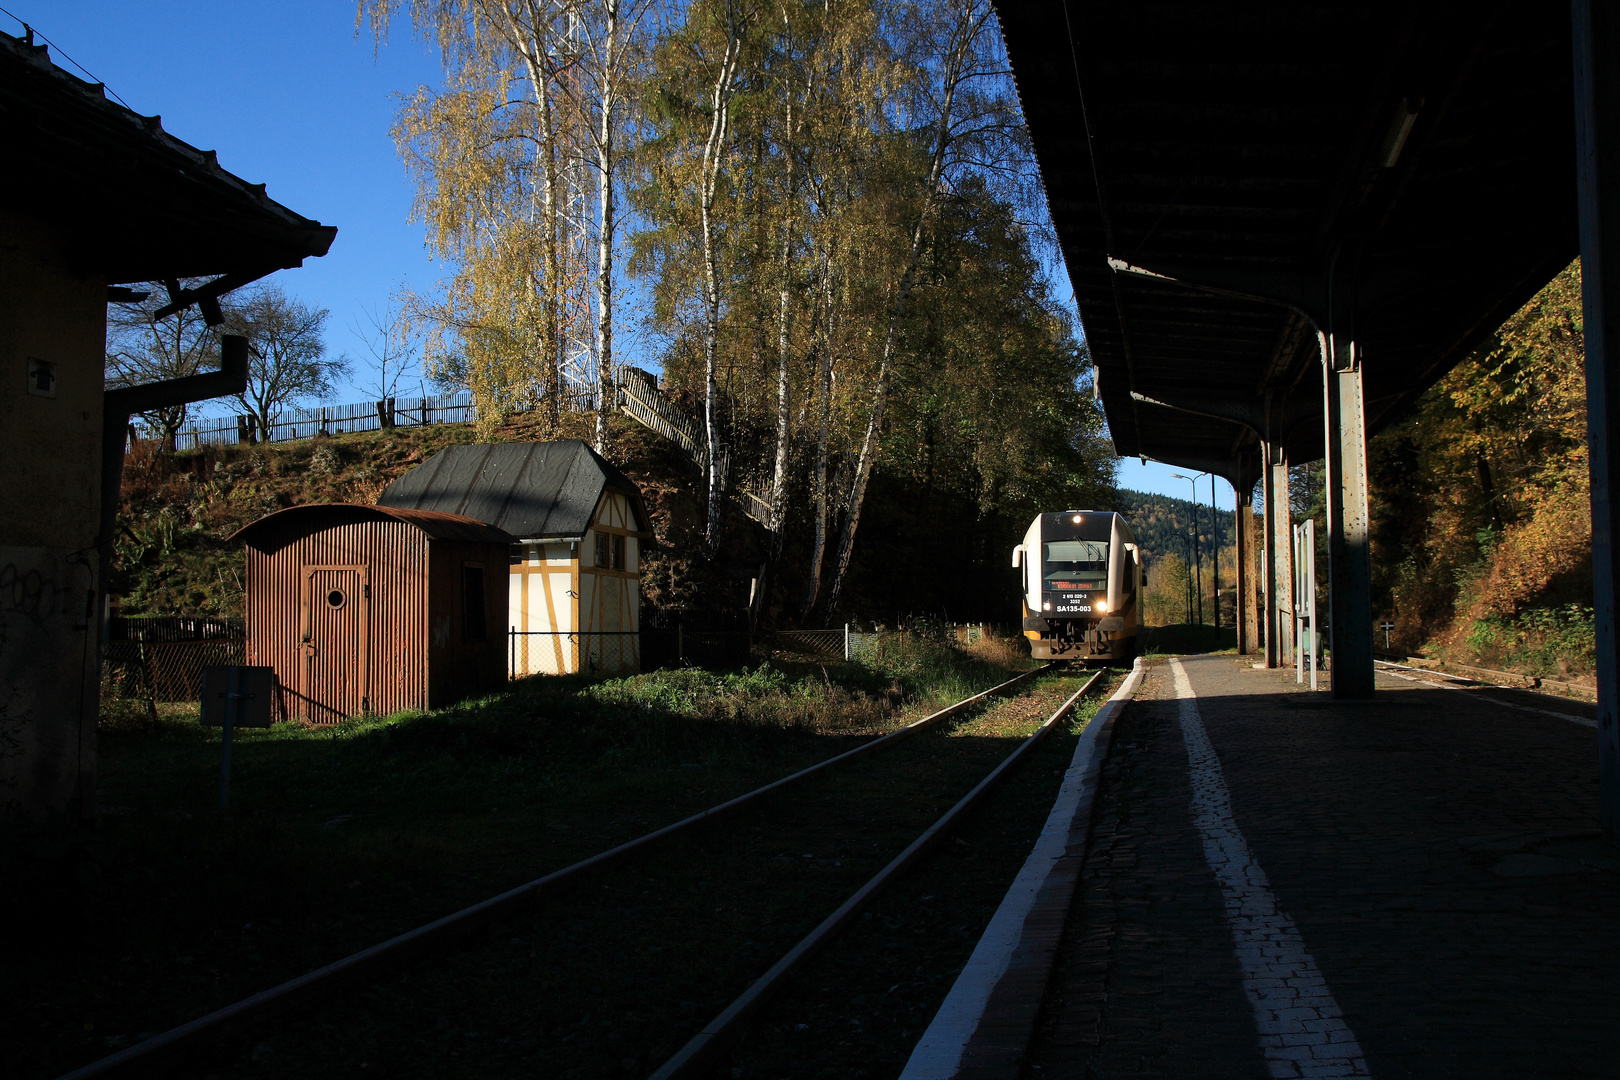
33, 31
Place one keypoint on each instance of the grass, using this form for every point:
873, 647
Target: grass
340, 837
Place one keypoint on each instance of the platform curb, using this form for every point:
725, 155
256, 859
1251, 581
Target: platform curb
983, 1028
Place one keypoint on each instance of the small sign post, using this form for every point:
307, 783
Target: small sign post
1386, 626
235, 696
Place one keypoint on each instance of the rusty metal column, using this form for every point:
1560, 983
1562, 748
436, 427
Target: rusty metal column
1282, 551
1269, 557
1245, 515
1350, 626
1596, 29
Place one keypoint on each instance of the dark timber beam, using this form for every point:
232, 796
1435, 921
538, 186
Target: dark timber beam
1597, 146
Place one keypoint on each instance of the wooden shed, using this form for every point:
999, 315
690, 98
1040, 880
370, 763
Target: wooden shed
374, 609
574, 588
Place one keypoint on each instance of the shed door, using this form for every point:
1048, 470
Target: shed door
335, 620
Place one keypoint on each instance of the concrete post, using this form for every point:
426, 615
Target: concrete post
1596, 35
1350, 629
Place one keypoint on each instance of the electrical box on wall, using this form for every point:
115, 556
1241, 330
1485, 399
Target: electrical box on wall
41, 378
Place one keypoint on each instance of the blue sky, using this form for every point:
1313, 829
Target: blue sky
291, 97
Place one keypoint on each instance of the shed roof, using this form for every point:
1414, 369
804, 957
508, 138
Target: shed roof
275, 531
137, 203
533, 490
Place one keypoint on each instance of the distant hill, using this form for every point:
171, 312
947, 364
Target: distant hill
1163, 524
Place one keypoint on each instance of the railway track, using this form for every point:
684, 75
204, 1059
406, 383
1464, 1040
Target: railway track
570, 941
1500, 696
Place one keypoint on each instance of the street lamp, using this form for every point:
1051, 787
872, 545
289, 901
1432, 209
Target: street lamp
1198, 559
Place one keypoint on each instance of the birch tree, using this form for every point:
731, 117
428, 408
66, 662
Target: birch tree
964, 103
489, 151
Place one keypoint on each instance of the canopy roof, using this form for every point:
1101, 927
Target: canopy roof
275, 531
1404, 170
533, 490
137, 204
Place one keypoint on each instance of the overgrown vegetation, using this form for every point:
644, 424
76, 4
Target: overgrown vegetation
340, 837
1488, 561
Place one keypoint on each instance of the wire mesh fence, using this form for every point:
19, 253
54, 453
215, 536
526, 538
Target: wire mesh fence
161, 659
556, 652
560, 652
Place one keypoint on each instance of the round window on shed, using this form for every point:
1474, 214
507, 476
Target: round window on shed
335, 598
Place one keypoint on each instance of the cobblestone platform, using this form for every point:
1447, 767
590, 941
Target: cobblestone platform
1279, 884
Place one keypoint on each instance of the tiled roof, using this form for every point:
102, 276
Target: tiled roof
135, 203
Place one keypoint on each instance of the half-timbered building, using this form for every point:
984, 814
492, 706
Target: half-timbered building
574, 583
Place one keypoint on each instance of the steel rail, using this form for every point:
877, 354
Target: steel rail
721, 1032
316, 984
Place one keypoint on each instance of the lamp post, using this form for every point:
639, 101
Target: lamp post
1198, 558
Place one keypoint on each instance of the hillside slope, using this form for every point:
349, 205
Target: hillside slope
922, 549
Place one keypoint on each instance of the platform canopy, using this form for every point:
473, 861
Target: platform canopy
1403, 173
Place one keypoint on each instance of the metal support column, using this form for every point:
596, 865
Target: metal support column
1245, 602
1278, 565
1596, 29
1350, 626
1278, 556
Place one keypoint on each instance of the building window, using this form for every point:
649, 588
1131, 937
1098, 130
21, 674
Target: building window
602, 550
618, 553
472, 603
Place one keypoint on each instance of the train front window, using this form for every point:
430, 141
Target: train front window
1075, 564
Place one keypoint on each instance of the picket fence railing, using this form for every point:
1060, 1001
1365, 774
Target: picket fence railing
294, 424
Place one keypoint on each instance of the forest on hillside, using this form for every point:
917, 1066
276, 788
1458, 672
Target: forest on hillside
1489, 559
823, 221
1185, 582
1480, 501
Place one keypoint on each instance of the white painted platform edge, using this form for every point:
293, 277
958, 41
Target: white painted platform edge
938, 1054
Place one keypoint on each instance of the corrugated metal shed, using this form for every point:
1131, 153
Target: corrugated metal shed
274, 530
534, 491
375, 609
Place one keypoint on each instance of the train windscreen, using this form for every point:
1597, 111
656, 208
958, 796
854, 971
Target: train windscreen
1075, 564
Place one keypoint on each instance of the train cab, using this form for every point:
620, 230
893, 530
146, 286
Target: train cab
1081, 579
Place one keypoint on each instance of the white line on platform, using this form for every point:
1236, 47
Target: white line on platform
938, 1054
1584, 721
1302, 1030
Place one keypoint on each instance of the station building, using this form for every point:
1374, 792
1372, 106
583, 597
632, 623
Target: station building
574, 568
95, 198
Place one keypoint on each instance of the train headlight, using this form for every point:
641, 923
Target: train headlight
1102, 605
1047, 606
1077, 519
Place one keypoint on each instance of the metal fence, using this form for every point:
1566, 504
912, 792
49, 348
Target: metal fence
162, 658
356, 416
558, 652
609, 652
